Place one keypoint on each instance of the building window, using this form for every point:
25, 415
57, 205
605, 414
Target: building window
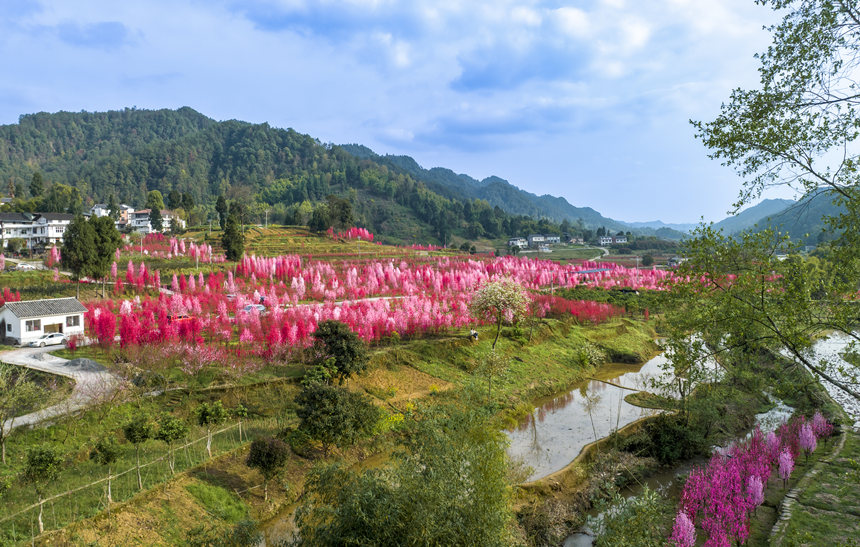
34, 325
73, 321
8, 327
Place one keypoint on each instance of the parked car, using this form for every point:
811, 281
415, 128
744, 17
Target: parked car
250, 307
24, 267
50, 339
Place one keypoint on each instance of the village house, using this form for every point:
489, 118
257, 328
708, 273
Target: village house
37, 230
24, 322
536, 240
139, 220
605, 240
552, 240
518, 242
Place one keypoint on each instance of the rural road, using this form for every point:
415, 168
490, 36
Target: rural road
92, 382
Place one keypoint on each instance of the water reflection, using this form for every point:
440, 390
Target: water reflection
555, 432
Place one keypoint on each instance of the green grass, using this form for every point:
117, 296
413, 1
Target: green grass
270, 410
828, 511
219, 502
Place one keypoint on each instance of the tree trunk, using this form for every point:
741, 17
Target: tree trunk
109, 496
498, 331
41, 526
139, 479
266, 490
3, 446
240, 431
209, 442
170, 462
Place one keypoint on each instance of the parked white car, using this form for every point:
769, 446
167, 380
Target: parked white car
51, 339
24, 267
251, 307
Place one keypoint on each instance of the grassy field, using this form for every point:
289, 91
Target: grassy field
827, 512
401, 375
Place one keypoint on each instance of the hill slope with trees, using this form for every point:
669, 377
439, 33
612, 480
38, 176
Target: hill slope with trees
94, 157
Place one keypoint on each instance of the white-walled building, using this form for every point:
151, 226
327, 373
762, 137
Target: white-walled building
518, 242
139, 220
36, 229
25, 321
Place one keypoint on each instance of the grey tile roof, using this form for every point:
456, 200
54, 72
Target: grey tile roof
48, 306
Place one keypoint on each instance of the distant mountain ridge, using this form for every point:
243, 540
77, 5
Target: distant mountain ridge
500, 193
804, 219
749, 217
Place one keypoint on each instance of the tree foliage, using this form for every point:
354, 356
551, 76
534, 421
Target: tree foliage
335, 416
338, 348
268, 456
799, 126
131, 152
447, 486
232, 239
499, 302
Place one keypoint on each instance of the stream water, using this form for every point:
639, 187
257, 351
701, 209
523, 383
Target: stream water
556, 431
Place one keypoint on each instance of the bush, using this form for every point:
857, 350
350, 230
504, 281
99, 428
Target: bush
668, 439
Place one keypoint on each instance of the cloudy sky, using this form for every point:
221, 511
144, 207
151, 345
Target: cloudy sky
589, 100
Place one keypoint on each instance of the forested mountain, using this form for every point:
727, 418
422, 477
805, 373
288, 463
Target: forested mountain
496, 191
802, 220
751, 216
130, 152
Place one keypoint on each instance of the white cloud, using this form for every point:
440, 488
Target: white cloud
573, 22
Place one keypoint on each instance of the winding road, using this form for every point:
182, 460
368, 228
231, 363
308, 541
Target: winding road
93, 383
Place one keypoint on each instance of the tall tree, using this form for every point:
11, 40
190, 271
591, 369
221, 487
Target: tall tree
37, 186
221, 209
154, 200
187, 202
174, 199
232, 239
79, 251
156, 221
113, 207
107, 241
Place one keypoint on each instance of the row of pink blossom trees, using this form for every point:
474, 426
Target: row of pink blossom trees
719, 498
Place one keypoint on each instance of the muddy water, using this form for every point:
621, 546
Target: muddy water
555, 432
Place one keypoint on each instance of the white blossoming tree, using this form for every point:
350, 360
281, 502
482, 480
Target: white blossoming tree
503, 301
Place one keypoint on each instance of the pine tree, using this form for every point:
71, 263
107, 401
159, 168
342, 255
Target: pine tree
232, 240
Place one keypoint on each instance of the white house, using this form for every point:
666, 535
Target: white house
100, 210
139, 220
36, 229
620, 239
553, 239
518, 242
25, 321
606, 240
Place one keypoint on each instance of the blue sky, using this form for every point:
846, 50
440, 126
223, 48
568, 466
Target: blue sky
588, 100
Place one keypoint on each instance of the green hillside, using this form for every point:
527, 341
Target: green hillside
131, 152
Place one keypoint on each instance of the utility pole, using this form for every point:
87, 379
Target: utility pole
267, 218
